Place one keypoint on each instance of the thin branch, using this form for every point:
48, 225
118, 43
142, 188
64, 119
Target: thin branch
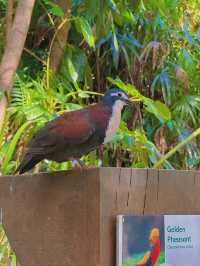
176, 148
35, 56
61, 34
51, 47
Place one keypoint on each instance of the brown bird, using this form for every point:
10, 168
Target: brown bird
76, 133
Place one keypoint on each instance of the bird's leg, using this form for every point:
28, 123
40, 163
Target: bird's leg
77, 163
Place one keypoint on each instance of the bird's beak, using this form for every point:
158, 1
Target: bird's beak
129, 102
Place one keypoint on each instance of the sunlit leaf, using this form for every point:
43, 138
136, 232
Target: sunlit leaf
12, 146
83, 27
128, 15
115, 51
113, 6
57, 11
72, 70
78, 65
54, 9
159, 109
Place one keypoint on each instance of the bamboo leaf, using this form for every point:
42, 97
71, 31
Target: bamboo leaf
12, 146
83, 27
115, 51
72, 70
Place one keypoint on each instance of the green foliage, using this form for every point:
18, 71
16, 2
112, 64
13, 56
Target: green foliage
54, 9
7, 256
148, 48
83, 27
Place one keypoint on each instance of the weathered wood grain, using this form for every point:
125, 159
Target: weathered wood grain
52, 219
68, 218
122, 192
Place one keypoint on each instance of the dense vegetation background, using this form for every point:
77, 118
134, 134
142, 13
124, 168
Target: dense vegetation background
71, 50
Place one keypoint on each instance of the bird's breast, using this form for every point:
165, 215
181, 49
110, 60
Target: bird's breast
114, 121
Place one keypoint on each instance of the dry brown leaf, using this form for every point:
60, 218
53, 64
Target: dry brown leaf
182, 77
159, 53
160, 139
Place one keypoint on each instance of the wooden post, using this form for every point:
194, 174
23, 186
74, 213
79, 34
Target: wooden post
68, 218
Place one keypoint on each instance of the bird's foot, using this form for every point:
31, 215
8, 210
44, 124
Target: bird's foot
78, 164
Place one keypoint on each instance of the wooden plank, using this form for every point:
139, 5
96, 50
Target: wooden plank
170, 192
69, 218
138, 190
122, 192
131, 191
109, 180
178, 192
51, 219
151, 192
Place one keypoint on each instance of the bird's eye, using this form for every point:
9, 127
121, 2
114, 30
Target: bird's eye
119, 94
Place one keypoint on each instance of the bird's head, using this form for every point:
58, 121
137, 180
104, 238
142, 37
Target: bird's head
116, 95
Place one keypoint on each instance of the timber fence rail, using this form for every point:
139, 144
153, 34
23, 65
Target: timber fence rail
68, 218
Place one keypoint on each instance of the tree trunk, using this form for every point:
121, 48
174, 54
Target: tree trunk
61, 37
13, 50
9, 18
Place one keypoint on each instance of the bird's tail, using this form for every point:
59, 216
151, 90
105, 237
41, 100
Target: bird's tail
27, 163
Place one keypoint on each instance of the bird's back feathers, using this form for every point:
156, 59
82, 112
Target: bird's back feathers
68, 136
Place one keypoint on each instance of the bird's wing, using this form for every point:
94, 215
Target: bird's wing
71, 128
75, 127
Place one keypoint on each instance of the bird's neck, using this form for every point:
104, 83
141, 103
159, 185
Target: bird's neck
114, 120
